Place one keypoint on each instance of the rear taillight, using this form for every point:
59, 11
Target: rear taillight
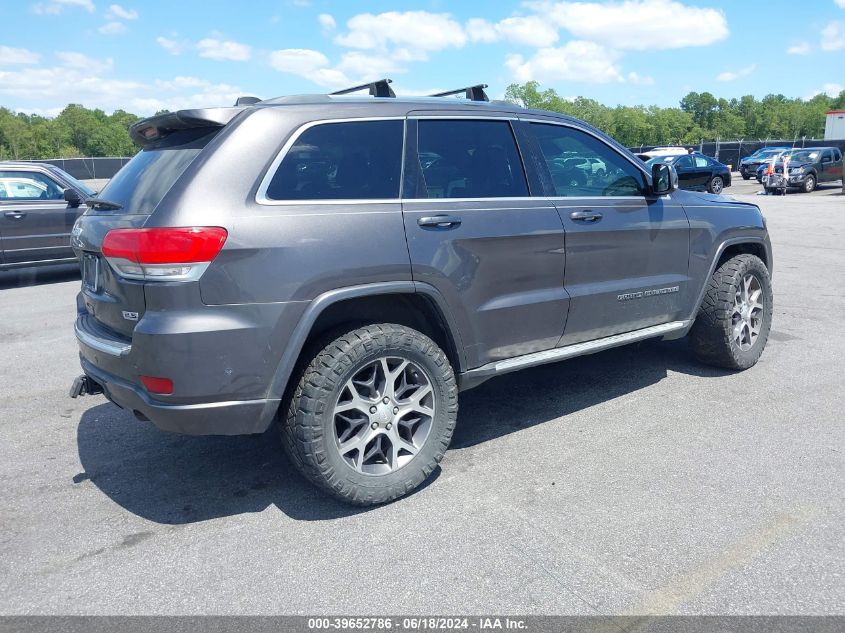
163, 254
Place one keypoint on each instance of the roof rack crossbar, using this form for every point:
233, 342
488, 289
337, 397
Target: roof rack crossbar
380, 88
473, 93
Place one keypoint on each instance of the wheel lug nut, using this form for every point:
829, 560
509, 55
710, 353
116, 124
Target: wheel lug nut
374, 425
386, 400
389, 426
395, 410
373, 409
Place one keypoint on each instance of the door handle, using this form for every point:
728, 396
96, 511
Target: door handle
586, 216
440, 221
15, 215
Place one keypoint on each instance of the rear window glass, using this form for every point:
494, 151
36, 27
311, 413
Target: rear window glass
355, 160
141, 184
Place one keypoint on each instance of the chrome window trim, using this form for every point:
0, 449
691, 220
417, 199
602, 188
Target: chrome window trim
261, 194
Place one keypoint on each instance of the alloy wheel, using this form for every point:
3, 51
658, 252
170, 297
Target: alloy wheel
716, 184
748, 312
383, 415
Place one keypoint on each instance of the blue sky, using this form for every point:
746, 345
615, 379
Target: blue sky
144, 55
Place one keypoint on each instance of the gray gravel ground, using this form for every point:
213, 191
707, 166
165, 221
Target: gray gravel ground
632, 481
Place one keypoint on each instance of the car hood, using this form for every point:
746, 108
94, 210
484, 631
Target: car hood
697, 197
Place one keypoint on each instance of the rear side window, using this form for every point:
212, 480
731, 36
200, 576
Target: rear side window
469, 159
141, 184
353, 160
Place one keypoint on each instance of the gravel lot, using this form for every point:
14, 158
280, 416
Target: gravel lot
632, 481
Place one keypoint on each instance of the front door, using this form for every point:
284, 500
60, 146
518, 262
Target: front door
35, 220
475, 234
627, 253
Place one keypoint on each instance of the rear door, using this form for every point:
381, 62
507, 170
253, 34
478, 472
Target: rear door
35, 220
475, 233
627, 253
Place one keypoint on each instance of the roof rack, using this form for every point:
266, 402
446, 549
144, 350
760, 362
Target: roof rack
380, 88
473, 93
246, 101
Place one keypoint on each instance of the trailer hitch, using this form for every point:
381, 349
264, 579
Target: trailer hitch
85, 386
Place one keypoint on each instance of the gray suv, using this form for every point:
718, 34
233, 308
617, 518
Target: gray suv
346, 265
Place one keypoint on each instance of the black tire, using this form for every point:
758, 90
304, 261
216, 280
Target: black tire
716, 185
809, 185
745, 176
308, 427
711, 337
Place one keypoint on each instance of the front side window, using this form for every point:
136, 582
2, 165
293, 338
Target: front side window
569, 154
469, 159
29, 185
352, 160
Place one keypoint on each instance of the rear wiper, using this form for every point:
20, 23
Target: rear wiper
102, 203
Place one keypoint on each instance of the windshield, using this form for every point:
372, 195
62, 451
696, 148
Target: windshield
804, 156
662, 159
142, 183
75, 182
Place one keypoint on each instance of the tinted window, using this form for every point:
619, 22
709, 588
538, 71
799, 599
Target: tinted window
29, 185
569, 153
142, 182
684, 162
469, 159
356, 160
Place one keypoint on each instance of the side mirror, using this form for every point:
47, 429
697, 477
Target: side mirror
72, 198
664, 179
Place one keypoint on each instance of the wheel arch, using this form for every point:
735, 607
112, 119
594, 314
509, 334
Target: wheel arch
408, 303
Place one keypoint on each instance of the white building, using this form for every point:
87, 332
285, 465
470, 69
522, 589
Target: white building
834, 126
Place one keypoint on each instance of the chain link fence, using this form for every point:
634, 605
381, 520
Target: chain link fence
89, 168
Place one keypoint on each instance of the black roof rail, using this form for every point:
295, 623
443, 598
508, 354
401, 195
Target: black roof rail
473, 93
380, 88
246, 101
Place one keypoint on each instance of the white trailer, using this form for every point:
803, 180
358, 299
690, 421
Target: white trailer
834, 126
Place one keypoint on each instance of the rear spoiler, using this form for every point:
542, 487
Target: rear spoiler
147, 131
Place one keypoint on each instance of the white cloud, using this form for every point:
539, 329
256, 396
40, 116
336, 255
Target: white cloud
636, 24
327, 22
802, 48
172, 46
733, 75
833, 36
575, 61
831, 90
55, 7
117, 12
71, 59
529, 30
112, 28
840, 3
214, 48
414, 34
354, 66
640, 80
10, 56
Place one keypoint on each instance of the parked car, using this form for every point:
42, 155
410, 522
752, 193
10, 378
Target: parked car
697, 172
664, 151
39, 204
750, 165
810, 166
296, 260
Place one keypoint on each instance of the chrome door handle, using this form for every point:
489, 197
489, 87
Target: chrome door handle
440, 221
586, 216
15, 215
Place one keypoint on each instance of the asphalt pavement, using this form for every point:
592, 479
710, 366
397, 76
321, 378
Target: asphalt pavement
629, 482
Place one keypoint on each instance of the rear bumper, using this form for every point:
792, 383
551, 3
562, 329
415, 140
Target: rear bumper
208, 418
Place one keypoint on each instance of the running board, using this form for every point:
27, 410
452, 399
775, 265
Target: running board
475, 377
